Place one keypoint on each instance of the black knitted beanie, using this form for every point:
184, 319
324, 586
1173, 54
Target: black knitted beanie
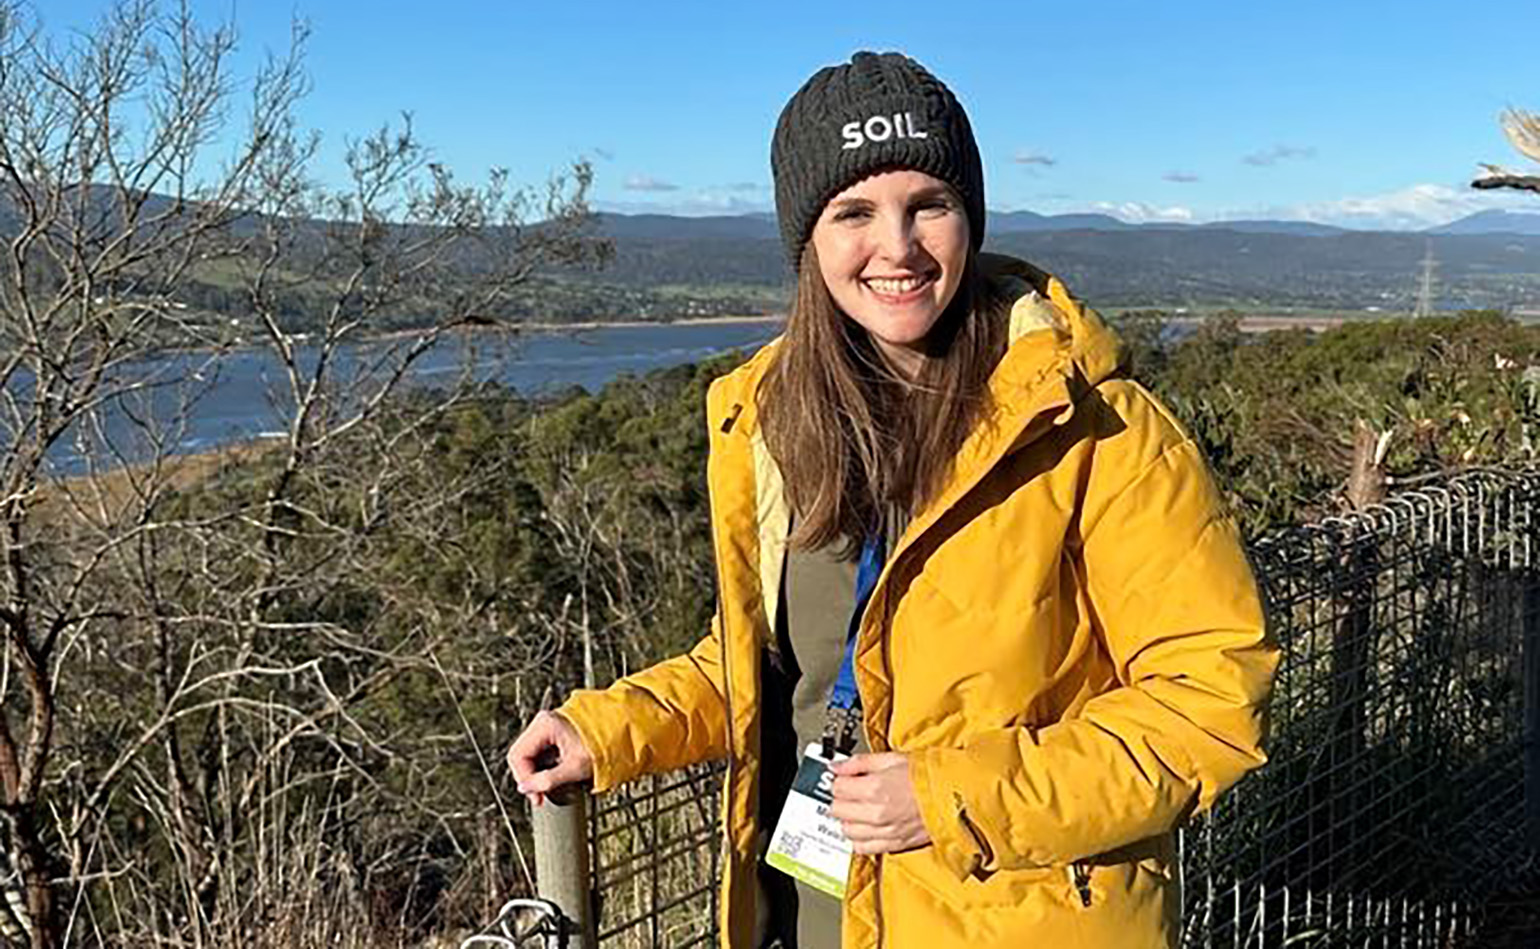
877, 112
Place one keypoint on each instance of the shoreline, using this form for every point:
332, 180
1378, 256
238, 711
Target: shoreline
588, 326
1268, 322
653, 324
248, 345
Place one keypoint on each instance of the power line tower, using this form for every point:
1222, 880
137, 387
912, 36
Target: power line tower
1425, 289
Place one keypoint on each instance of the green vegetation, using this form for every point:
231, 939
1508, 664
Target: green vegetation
1276, 413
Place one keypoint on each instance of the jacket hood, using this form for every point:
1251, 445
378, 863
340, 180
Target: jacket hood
1043, 302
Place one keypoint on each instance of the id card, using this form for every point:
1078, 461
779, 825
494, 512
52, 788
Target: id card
808, 843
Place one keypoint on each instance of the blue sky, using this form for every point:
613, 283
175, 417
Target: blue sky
1353, 113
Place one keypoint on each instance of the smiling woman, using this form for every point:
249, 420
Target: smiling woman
985, 634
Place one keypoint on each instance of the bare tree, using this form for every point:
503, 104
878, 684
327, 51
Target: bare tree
193, 643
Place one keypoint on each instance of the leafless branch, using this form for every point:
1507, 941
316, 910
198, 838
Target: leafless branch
1522, 130
193, 643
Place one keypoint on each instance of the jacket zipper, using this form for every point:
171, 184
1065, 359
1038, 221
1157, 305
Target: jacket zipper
727, 678
1080, 875
1060, 410
986, 853
890, 568
727, 704
887, 628
877, 892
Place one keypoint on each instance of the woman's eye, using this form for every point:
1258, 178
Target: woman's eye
851, 214
935, 208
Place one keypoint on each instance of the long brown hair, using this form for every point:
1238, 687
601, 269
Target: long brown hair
851, 436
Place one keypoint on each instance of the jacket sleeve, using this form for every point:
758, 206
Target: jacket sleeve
1174, 603
667, 716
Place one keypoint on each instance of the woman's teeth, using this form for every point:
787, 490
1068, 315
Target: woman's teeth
895, 285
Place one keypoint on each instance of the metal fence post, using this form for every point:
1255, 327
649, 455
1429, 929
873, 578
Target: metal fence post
561, 863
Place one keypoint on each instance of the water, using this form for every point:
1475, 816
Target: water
199, 401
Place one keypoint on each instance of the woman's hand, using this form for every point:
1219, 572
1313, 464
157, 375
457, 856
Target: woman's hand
548, 755
874, 803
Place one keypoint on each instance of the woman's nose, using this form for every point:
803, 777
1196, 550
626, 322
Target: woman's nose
895, 238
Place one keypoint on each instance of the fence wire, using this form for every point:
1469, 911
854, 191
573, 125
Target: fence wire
1393, 809
1400, 802
655, 858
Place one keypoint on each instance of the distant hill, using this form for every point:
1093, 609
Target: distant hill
1239, 263
1019, 222
668, 227
751, 226
1014, 222
666, 266
1301, 228
1492, 222
1349, 269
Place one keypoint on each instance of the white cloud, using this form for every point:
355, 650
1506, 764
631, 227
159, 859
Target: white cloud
1138, 212
692, 204
1413, 208
1408, 209
648, 183
1277, 153
1180, 177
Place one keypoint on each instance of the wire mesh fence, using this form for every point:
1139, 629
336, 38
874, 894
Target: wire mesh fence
1393, 809
1402, 797
655, 857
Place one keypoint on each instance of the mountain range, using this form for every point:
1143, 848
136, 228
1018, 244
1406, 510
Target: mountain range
1487, 260
762, 225
665, 267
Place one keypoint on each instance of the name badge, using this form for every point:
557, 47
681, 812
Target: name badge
808, 843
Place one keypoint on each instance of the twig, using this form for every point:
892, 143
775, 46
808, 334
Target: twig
518, 849
1494, 180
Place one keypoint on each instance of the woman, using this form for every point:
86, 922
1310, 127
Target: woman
1055, 641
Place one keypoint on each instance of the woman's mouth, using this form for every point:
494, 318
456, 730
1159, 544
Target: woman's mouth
898, 289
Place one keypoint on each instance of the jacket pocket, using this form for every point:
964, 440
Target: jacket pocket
1002, 888
1125, 903
1137, 888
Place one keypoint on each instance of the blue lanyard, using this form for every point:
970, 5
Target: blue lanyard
844, 700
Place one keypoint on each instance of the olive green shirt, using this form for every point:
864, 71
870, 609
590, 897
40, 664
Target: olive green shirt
818, 592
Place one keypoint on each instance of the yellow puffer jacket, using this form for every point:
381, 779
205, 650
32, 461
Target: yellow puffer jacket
1067, 643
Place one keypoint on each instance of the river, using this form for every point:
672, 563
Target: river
241, 395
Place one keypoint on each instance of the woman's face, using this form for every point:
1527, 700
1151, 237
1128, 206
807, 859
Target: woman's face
891, 249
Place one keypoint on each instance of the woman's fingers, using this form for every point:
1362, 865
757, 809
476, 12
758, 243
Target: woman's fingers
854, 789
873, 838
530, 747
876, 845
875, 805
856, 812
547, 755
867, 764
